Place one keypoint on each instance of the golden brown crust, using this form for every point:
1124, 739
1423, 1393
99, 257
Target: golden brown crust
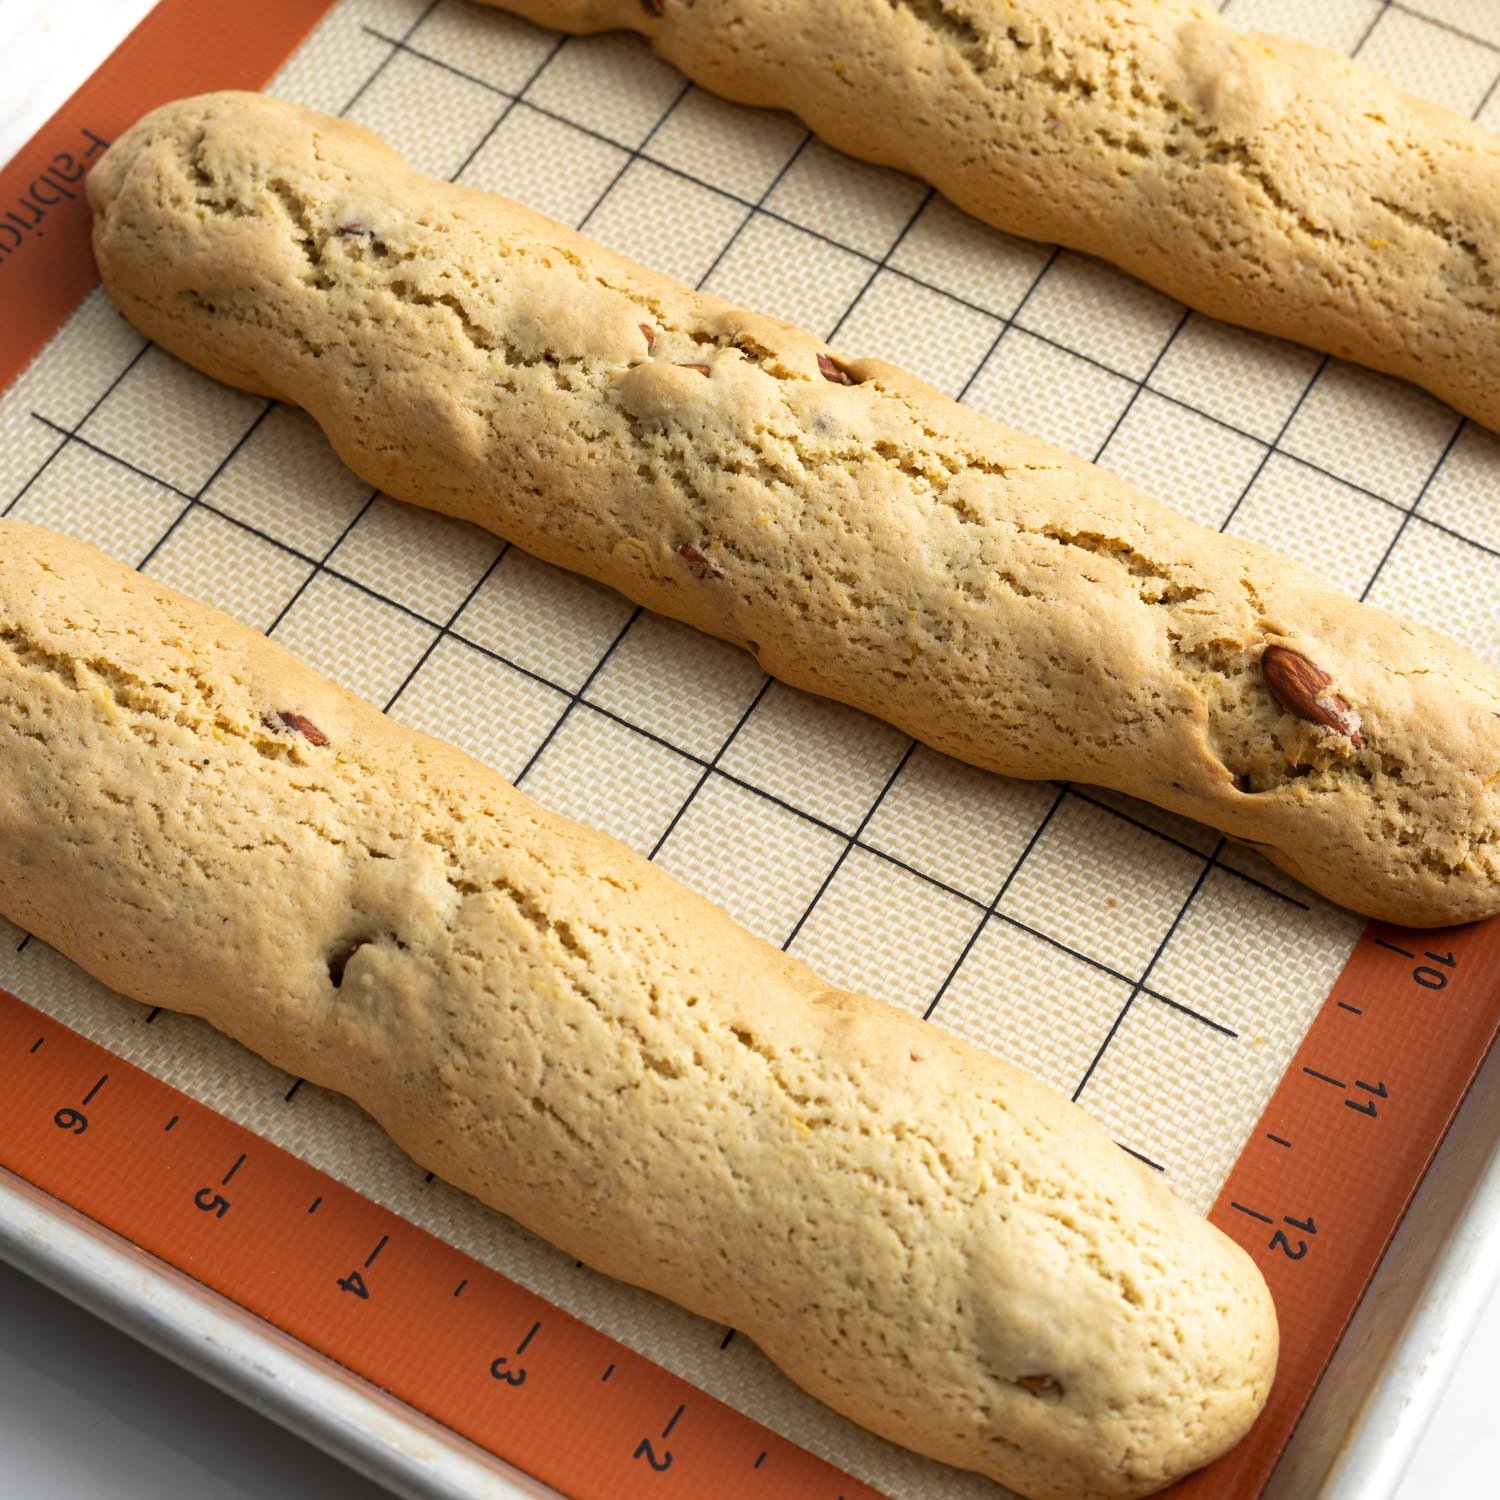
1001, 600
1262, 180
915, 1231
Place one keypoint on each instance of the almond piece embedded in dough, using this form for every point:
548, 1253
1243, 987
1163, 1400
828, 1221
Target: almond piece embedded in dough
303, 726
832, 370
700, 565
1302, 688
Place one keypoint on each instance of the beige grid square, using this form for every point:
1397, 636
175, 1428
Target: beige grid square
91, 497
853, 203
415, 558
287, 482
682, 685
1348, 403
880, 930
1107, 889
779, 269
499, 48
611, 777
338, 57
430, 114
760, 862
361, 642
1192, 463
1479, 18
89, 351
549, 622
949, 250
1445, 583
1430, 61
212, 559
171, 422
609, 83
958, 824
1036, 387
547, 164
1337, 531
735, 149
1241, 953
1159, 1090
491, 711
1329, 23
665, 221
1249, 380
940, 340
820, 756
1462, 495
26, 446
991, 1003
1101, 312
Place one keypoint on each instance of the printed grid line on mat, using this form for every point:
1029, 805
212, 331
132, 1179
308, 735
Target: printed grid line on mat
1133, 959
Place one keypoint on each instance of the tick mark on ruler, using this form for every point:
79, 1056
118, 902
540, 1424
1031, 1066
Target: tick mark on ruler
535, 1329
87, 1098
1252, 1213
1324, 1078
223, 1181
170, 1123
1353, 1010
724, 1342
605, 1376
37, 1043
1381, 943
667, 1430
370, 1260
152, 1014
1278, 1139
23, 942
458, 1290
291, 1091
431, 1177
759, 1461
312, 1207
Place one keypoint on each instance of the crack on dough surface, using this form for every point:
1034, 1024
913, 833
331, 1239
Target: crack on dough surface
552, 1024
998, 599
1278, 185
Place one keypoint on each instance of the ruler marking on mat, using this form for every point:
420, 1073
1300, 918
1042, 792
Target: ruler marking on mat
240, 1237
1324, 1078
1317, 1220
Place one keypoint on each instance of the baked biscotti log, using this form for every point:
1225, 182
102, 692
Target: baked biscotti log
1260, 179
919, 1234
865, 537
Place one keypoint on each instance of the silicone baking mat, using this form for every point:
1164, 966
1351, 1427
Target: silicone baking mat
1163, 978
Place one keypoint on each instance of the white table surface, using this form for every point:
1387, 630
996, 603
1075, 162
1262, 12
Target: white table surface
85, 1411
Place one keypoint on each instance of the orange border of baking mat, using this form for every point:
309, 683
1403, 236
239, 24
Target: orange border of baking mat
180, 47
373, 1292
1322, 1185
1348, 1134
